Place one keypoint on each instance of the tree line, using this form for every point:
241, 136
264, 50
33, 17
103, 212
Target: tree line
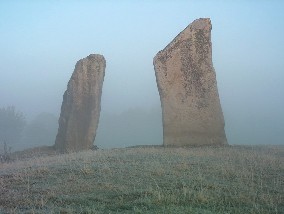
17, 133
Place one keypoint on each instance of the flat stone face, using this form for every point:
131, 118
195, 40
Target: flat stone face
81, 105
186, 81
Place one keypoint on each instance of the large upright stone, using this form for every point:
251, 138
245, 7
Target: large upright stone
186, 81
81, 105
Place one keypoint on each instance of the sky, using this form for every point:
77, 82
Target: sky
41, 41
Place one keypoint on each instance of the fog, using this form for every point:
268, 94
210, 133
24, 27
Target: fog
41, 41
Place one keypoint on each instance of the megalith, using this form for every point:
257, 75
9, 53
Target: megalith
80, 110
186, 81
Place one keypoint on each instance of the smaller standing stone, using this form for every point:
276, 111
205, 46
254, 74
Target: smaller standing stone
81, 106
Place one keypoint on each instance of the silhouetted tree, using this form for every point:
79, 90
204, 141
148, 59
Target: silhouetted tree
41, 131
5, 156
12, 124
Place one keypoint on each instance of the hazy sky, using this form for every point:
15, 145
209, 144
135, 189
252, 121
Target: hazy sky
42, 40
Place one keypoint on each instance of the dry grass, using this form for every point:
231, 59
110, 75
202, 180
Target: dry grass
238, 179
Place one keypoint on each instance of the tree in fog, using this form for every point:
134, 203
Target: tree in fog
12, 124
41, 131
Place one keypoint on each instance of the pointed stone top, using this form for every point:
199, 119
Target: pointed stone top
95, 56
92, 58
202, 23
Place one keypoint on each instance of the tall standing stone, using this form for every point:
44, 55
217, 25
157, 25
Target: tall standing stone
80, 110
186, 81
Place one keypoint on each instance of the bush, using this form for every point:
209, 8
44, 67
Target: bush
5, 156
12, 124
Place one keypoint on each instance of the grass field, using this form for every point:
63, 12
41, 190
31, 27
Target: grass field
235, 179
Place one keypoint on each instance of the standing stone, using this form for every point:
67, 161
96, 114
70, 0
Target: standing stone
186, 81
81, 106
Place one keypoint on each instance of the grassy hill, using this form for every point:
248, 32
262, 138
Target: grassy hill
235, 179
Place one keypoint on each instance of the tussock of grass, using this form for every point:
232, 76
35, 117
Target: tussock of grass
147, 180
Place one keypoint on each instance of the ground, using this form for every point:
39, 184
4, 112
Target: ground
232, 179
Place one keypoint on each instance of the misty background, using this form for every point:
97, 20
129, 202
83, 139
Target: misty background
41, 41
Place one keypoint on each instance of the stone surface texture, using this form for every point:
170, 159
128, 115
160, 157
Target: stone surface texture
186, 81
80, 110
